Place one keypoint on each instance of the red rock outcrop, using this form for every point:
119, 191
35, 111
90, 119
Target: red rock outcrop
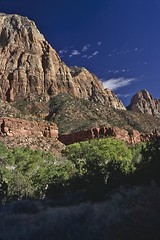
30, 68
22, 132
15, 127
132, 137
144, 102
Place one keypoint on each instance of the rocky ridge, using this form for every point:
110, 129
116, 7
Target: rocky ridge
31, 68
144, 102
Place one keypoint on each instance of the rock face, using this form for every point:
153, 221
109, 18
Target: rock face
113, 100
30, 67
144, 102
16, 132
15, 127
131, 137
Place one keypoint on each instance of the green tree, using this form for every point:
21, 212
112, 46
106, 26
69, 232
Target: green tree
149, 167
98, 161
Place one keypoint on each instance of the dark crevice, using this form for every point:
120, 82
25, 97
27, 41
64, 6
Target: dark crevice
19, 62
8, 93
2, 127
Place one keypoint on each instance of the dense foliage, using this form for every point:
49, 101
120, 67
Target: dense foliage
27, 173
92, 166
99, 162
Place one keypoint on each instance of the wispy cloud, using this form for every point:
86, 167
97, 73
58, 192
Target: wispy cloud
74, 53
85, 52
118, 71
116, 83
85, 47
62, 52
89, 56
95, 53
116, 52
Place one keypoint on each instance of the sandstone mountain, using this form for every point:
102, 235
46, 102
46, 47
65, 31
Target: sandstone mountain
31, 69
35, 84
144, 102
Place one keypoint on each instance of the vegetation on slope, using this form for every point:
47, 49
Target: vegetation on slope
72, 114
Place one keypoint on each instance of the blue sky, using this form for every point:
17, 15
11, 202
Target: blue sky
118, 40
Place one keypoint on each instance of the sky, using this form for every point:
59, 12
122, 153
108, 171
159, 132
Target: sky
117, 40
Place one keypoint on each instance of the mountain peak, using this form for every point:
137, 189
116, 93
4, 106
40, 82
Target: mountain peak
31, 69
144, 102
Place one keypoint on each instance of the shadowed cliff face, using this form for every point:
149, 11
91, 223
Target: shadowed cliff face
144, 102
31, 68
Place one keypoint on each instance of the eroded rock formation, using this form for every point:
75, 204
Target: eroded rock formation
31, 68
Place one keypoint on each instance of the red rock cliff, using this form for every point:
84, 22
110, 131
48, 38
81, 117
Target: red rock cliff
132, 137
15, 127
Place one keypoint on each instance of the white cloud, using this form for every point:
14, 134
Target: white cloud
95, 53
74, 53
116, 83
62, 52
99, 43
85, 47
